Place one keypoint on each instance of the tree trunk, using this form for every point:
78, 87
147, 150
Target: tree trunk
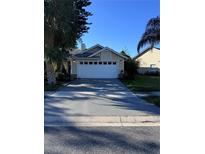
69, 70
50, 73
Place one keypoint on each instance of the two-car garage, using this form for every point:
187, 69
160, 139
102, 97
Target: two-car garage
97, 69
97, 62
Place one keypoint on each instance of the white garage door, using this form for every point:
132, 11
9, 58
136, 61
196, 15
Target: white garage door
97, 70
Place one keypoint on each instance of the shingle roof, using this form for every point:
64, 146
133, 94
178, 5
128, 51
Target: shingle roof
88, 52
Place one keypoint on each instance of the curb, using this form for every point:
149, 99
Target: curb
96, 121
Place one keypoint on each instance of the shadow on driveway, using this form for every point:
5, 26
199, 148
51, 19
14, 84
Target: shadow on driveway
89, 97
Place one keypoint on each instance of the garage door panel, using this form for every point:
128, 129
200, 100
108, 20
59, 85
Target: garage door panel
97, 71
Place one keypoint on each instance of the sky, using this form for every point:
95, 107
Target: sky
119, 24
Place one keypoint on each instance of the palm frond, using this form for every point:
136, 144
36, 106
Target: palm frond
151, 35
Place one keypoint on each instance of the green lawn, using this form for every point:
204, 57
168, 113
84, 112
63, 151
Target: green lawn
143, 83
153, 99
48, 87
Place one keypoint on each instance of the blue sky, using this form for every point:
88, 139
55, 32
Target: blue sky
119, 24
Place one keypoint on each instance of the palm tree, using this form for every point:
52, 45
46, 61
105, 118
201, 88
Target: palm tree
151, 35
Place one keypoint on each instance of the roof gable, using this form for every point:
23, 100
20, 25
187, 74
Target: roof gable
108, 49
145, 51
94, 50
90, 51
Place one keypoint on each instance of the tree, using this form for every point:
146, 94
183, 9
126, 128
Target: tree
65, 21
151, 35
130, 69
124, 53
130, 66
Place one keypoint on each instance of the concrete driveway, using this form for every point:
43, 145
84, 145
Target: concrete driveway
96, 97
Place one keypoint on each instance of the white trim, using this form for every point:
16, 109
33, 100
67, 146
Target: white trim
115, 52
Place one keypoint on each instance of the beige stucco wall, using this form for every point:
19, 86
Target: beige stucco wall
150, 57
110, 56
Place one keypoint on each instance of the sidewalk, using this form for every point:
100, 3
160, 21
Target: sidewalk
94, 121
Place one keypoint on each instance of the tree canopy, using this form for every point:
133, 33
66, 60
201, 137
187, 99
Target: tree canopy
124, 53
65, 21
151, 35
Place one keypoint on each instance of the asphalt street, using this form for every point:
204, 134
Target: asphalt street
101, 140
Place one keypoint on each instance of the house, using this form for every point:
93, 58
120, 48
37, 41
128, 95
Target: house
96, 62
148, 60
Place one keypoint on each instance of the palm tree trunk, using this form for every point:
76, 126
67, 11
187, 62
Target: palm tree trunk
50, 73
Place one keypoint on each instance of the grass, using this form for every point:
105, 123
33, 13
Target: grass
153, 99
143, 83
53, 87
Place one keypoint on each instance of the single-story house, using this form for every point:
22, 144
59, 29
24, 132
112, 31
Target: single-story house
148, 60
96, 62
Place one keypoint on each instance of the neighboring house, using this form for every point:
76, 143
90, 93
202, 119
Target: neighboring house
96, 62
148, 60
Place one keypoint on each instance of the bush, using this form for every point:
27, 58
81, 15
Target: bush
62, 77
130, 69
156, 73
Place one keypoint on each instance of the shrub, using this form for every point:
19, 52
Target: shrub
130, 69
153, 73
62, 77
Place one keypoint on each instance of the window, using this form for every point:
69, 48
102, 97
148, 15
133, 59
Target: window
100, 63
153, 65
85, 62
105, 63
81, 63
90, 62
95, 63
114, 63
109, 63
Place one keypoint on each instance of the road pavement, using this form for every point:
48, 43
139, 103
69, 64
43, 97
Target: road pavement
102, 140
